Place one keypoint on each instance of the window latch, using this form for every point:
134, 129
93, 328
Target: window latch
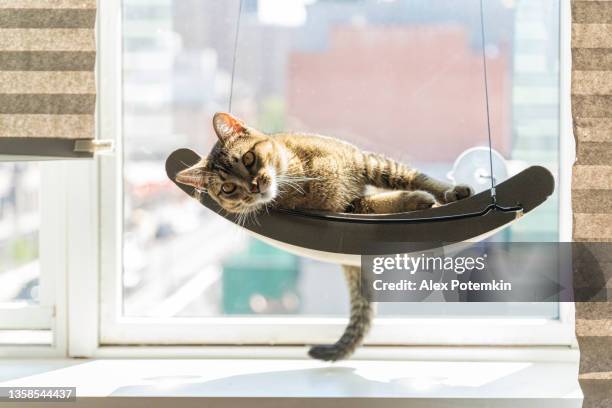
94, 146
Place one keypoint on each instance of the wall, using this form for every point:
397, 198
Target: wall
592, 182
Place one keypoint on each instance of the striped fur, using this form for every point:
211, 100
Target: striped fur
386, 173
359, 321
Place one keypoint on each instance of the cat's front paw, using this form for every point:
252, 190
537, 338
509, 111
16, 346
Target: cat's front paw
416, 200
458, 192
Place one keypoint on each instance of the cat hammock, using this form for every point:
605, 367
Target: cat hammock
343, 237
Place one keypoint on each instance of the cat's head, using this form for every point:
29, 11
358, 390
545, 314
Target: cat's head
240, 173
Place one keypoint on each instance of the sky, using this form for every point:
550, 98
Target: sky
285, 12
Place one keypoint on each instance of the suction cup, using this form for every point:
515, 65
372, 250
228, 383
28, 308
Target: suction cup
472, 167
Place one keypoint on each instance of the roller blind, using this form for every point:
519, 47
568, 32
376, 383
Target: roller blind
47, 81
592, 184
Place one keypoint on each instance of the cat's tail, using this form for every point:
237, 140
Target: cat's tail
359, 322
386, 173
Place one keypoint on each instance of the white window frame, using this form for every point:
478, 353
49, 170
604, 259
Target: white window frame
50, 314
87, 249
39, 316
118, 330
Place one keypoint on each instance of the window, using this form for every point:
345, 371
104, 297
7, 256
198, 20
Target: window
19, 227
403, 78
27, 288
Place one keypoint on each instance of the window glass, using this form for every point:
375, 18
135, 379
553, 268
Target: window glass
19, 227
404, 78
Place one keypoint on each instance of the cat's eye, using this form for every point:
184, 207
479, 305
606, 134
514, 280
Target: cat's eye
248, 159
228, 188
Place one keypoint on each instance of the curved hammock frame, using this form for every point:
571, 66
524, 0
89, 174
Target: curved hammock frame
342, 237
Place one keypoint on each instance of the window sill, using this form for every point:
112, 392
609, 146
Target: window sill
191, 382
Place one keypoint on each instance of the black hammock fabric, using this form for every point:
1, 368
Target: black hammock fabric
373, 234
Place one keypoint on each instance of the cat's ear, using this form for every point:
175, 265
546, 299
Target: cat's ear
193, 176
228, 126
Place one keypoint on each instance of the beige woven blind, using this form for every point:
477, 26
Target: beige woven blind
592, 183
47, 82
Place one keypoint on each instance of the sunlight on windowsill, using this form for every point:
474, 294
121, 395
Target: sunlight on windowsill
301, 379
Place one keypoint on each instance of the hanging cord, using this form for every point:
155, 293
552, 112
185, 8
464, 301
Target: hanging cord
348, 218
486, 91
234, 57
493, 206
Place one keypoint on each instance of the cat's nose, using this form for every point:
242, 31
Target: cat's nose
254, 186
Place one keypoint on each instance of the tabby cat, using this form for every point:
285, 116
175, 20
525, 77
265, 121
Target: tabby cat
248, 170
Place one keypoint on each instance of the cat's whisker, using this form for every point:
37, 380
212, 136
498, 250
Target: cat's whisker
239, 216
245, 216
185, 164
293, 185
255, 219
222, 212
298, 178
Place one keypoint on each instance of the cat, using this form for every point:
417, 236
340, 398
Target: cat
248, 170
